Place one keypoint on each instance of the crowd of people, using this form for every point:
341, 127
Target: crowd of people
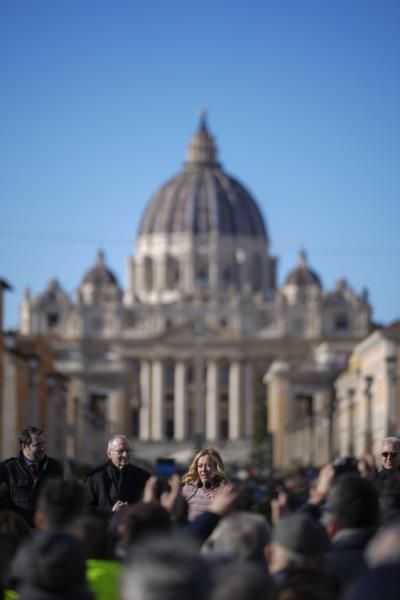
124, 534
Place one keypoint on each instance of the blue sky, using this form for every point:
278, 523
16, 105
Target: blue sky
100, 98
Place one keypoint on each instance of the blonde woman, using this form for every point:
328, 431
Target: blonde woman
206, 474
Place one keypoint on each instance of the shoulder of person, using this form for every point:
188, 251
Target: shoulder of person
188, 488
97, 470
54, 464
139, 471
9, 462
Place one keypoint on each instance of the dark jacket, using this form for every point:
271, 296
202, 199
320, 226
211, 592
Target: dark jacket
106, 484
385, 474
345, 560
20, 489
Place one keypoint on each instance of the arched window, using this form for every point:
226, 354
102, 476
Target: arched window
173, 272
256, 272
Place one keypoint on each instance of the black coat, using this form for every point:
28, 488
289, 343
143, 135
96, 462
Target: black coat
19, 489
345, 561
106, 485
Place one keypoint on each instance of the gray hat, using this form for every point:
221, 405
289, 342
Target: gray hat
301, 534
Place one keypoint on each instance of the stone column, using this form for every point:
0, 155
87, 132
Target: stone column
213, 268
198, 397
235, 401
277, 382
157, 417
117, 412
212, 401
145, 400
248, 400
368, 414
350, 422
180, 402
160, 274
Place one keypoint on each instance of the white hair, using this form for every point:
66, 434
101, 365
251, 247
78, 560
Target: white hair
390, 441
114, 438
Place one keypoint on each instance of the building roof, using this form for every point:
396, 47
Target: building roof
302, 275
100, 275
202, 198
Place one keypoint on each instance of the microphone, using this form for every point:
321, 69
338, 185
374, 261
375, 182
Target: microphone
198, 486
206, 484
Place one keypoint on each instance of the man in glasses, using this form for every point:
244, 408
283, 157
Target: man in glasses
390, 456
116, 483
22, 477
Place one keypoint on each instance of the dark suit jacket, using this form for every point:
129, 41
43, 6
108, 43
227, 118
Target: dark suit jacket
106, 484
19, 489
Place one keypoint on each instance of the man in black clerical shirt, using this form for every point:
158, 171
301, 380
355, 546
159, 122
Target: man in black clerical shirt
116, 483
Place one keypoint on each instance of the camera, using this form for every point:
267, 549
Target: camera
345, 465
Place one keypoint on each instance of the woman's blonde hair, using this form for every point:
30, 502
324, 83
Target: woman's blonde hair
192, 476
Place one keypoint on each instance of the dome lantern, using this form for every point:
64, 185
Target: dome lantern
202, 149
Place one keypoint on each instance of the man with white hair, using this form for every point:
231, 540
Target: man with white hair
390, 456
117, 482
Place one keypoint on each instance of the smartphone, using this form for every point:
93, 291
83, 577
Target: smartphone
165, 468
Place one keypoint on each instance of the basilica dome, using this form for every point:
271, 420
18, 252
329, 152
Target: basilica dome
99, 275
202, 198
302, 275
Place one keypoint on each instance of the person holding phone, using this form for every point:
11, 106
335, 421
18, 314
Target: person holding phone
205, 475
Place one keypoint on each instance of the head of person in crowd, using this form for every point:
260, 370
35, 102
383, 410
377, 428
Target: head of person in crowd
242, 536
51, 565
60, 502
298, 542
32, 443
119, 451
390, 454
143, 520
93, 533
240, 581
206, 468
166, 568
14, 531
384, 548
352, 503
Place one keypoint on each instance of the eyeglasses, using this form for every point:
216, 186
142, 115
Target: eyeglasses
120, 450
391, 454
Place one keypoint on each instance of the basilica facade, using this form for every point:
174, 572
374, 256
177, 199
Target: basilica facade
177, 359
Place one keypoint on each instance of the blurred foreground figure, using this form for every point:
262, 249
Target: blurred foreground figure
205, 475
51, 566
22, 477
116, 483
296, 558
166, 568
241, 581
60, 503
242, 537
351, 519
103, 572
382, 582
